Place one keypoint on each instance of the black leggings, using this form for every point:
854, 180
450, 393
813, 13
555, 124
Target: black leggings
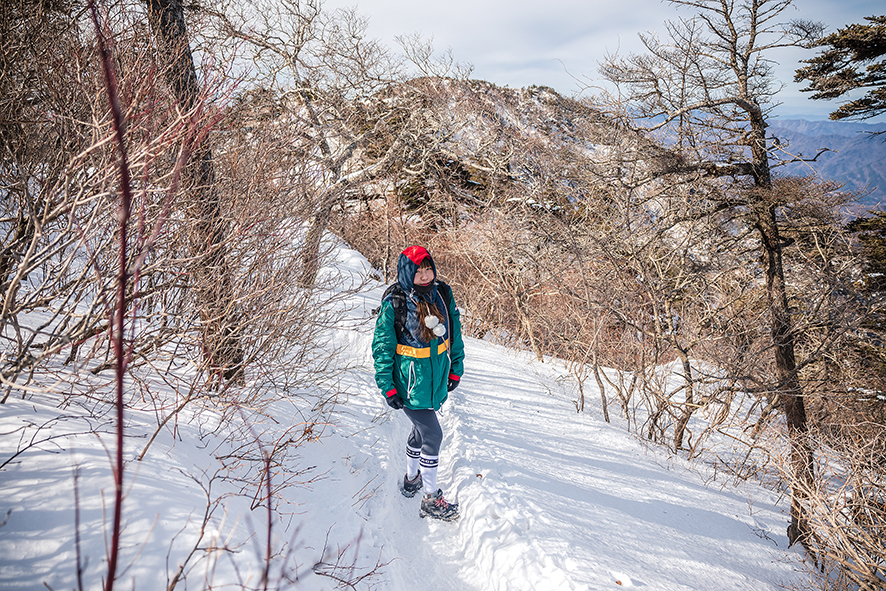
427, 435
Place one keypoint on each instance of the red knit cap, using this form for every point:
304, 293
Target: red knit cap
417, 254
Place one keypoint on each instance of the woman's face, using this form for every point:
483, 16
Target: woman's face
424, 276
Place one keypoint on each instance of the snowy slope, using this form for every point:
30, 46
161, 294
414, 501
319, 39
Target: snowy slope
550, 499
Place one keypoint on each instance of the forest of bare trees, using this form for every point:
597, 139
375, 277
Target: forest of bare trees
169, 172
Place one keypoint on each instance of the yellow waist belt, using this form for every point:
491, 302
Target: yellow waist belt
423, 353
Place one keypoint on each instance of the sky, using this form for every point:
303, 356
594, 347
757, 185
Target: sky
550, 499
558, 43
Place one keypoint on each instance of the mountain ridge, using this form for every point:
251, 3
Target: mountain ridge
855, 157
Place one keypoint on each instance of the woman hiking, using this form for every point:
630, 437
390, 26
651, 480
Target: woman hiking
419, 358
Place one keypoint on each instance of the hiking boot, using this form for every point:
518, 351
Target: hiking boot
434, 505
411, 487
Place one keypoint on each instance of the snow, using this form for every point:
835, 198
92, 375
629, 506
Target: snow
550, 499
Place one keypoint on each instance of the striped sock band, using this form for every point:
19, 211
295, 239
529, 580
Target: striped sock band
412, 460
429, 472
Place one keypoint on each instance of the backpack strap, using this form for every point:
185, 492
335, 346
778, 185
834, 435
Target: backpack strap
398, 301
445, 291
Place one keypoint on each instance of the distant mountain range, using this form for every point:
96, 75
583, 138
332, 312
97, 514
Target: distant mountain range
857, 158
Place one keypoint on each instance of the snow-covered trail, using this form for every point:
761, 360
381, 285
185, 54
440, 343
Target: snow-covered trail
550, 499
568, 501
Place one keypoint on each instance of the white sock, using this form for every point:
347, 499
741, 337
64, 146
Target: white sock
412, 457
429, 473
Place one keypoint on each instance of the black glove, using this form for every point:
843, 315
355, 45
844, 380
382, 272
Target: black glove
393, 400
453, 384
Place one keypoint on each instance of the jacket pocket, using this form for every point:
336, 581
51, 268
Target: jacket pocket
410, 379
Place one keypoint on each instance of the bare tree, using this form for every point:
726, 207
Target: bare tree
710, 86
64, 281
210, 266
59, 180
329, 73
847, 508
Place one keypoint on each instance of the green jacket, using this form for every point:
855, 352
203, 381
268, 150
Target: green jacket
420, 375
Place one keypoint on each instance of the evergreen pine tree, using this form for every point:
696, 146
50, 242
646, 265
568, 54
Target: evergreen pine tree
851, 60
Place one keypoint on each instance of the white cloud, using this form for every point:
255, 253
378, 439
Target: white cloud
551, 43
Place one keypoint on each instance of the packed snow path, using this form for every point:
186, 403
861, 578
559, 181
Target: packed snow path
553, 500
550, 499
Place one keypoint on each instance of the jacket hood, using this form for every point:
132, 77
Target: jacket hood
408, 264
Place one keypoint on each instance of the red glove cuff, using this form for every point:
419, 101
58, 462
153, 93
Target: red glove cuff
391, 392
452, 376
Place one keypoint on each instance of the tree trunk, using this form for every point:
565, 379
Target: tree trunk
313, 238
25, 230
689, 406
580, 403
602, 388
689, 382
789, 390
527, 326
325, 203
211, 274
